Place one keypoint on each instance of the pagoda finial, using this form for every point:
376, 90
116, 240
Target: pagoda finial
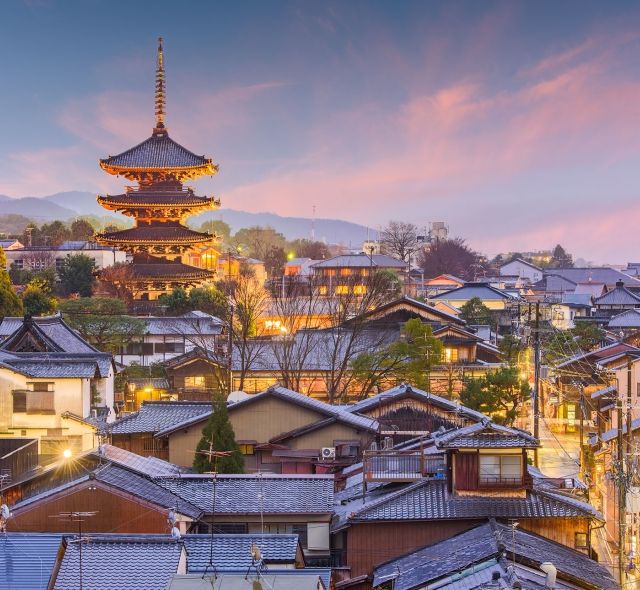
160, 94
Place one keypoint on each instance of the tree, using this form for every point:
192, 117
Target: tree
259, 241
476, 313
217, 227
177, 302
19, 276
560, 258
10, 304
77, 275
209, 300
309, 249
218, 435
81, 229
499, 394
52, 234
450, 257
587, 335
103, 322
510, 347
118, 281
399, 239
37, 302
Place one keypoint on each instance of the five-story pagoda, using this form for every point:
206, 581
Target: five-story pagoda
159, 204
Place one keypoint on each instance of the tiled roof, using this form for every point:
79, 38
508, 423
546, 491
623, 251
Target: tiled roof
618, 296
483, 291
156, 268
311, 403
156, 416
150, 466
241, 494
486, 435
57, 333
161, 233
612, 433
232, 552
431, 500
193, 322
157, 199
405, 390
419, 307
360, 261
604, 275
576, 299
50, 367
456, 556
158, 152
627, 319
26, 560
116, 563
286, 579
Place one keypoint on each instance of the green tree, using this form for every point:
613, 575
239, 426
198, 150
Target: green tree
560, 258
177, 302
210, 300
19, 276
499, 394
218, 435
81, 229
308, 249
217, 227
450, 257
77, 275
53, 234
10, 303
103, 322
476, 313
587, 335
36, 301
510, 347
421, 351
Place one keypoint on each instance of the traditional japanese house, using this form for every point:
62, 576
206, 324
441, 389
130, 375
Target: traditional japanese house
159, 205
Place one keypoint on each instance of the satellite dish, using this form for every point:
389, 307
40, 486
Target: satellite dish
237, 396
175, 533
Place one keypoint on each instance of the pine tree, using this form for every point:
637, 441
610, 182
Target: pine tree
10, 303
218, 435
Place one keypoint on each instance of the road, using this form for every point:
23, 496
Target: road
559, 453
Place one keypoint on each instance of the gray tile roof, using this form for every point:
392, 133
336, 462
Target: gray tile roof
117, 563
159, 152
26, 560
360, 261
53, 368
405, 390
241, 494
157, 416
328, 410
431, 500
483, 291
618, 296
480, 545
626, 319
195, 322
605, 275
232, 552
485, 435
150, 466
301, 579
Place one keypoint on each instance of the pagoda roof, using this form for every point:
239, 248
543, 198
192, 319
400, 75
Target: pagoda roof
160, 233
154, 268
159, 153
150, 198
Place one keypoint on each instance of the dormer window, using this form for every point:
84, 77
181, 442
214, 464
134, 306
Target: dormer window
500, 470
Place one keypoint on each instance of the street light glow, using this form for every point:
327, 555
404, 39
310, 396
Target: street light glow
67, 453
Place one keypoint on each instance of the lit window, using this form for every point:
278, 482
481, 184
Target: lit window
450, 355
194, 381
500, 469
322, 290
581, 540
359, 289
247, 449
342, 290
345, 272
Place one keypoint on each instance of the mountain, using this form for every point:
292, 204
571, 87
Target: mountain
70, 204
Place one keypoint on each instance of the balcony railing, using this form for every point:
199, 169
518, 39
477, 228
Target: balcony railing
401, 465
500, 481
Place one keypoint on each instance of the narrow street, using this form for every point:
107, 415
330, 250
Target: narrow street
559, 454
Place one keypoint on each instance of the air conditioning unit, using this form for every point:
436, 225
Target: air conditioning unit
328, 453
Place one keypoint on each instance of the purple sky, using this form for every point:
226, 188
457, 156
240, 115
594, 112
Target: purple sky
518, 123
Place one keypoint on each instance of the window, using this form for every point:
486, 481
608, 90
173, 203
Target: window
195, 381
342, 290
450, 355
40, 386
204, 528
163, 347
500, 470
33, 402
247, 449
155, 444
581, 540
345, 272
322, 290
359, 289
19, 401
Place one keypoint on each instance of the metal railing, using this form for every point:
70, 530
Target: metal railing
392, 465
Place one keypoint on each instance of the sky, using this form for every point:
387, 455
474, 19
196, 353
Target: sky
517, 123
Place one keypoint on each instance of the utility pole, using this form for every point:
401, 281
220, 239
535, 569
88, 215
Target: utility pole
622, 492
582, 405
230, 352
536, 382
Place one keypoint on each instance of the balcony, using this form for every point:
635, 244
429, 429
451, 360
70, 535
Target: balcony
500, 481
33, 402
401, 466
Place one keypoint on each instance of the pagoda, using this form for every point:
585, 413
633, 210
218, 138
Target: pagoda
159, 204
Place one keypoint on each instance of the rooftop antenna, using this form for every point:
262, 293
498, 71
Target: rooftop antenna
213, 457
257, 559
79, 518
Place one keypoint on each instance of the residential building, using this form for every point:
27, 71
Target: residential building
494, 555
37, 258
350, 273
54, 386
561, 280
440, 284
615, 301
494, 299
169, 336
522, 269
10, 244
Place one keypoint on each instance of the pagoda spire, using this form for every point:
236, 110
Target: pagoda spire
160, 91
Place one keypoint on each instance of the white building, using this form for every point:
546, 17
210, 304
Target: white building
522, 269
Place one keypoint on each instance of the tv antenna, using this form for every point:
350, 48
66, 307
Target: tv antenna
213, 459
78, 517
257, 559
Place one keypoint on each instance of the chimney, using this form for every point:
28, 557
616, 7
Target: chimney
548, 568
620, 284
